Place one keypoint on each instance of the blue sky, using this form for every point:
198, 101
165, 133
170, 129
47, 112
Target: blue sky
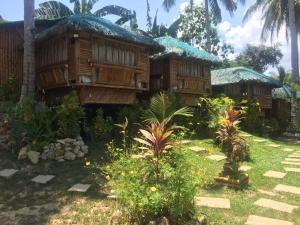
231, 30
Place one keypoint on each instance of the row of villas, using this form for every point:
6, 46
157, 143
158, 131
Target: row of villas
108, 64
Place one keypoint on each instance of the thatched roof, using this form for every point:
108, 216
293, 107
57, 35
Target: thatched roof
179, 48
284, 93
241, 75
96, 25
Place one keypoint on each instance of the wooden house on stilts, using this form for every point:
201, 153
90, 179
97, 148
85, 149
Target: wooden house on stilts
181, 68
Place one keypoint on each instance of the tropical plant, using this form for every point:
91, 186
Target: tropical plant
253, 117
8, 89
156, 139
124, 126
56, 10
230, 140
2, 20
162, 110
28, 85
276, 15
69, 116
102, 126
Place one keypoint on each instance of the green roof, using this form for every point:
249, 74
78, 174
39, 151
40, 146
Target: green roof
179, 48
241, 75
284, 93
97, 25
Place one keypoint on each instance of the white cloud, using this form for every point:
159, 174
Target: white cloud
249, 33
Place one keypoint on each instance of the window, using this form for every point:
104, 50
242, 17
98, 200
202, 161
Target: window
190, 69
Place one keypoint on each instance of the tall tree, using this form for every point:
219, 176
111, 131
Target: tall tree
28, 86
276, 15
295, 59
56, 9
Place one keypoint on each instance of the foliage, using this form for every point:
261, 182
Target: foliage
163, 110
8, 90
33, 124
230, 140
271, 127
251, 110
69, 115
260, 57
56, 10
102, 127
193, 31
124, 126
144, 199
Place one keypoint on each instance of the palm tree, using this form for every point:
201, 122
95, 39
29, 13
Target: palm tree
213, 5
56, 10
277, 14
28, 86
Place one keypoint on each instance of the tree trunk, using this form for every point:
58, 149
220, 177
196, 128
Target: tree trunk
28, 86
207, 23
294, 61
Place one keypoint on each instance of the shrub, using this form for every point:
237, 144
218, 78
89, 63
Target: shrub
230, 141
69, 116
8, 90
253, 117
102, 126
33, 123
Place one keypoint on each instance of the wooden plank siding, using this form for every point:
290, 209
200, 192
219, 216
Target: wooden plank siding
191, 78
11, 55
103, 70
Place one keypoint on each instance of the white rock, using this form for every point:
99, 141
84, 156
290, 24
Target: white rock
23, 153
80, 154
69, 156
85, 149
76, 149
33, 156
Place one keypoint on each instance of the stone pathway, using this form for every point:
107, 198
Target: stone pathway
294, 156
197, 149
222, 203
274, 174
273, 145
291, 163
245, 135
7, 173
290, 169
271, 204
43, 179
288, 150
80, 187
217, 157
287, 188
292, 159
259, 220
259, 140
267, 192
245, 168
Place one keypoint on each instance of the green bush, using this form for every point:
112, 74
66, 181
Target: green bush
102, 126
252, 115
69, 116
144, 198
32, 123
8, 90
270, 127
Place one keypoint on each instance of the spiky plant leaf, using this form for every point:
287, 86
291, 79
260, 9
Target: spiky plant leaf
52, 10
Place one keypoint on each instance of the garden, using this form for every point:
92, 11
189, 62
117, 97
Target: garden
156, 163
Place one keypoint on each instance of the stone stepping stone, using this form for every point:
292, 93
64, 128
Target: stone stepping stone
186, 141
274, 174
245, 168
273, 145
287, 188
222, 203
290, 169
43, 179
291, 163
217, 157
259, 140
292, 159
7, 173
80, 187
197, 149
259, 220
294, 156
245, 135
271, 204
267, 192
288, 149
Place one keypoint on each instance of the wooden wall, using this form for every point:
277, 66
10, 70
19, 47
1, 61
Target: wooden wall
11, 54
189, 77
105, 71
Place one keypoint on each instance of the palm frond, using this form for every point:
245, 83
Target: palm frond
168, 4
52, 10
77, 6
91, 4
215, 9
174, 27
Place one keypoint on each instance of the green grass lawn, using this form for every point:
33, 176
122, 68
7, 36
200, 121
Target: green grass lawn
52, 204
